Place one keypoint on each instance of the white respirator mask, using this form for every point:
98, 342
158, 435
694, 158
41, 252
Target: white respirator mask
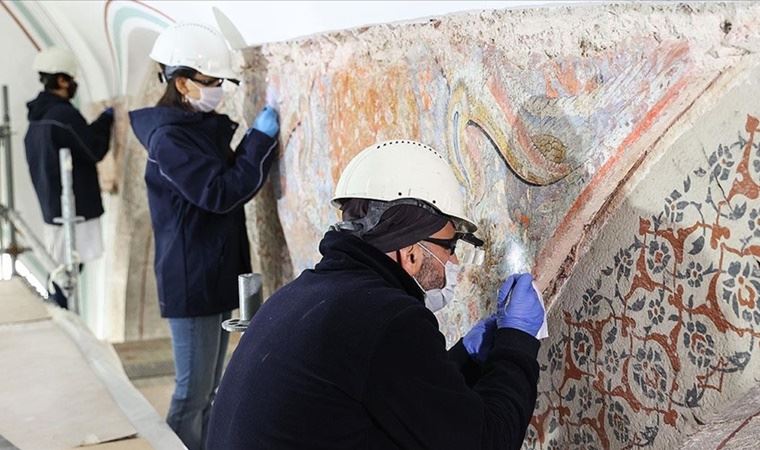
437, 299
210, 98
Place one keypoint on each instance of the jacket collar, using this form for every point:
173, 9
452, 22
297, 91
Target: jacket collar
343, 251
40, 105
146, 121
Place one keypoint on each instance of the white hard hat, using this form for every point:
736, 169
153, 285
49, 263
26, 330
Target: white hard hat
194, 45
55, 60
396, 170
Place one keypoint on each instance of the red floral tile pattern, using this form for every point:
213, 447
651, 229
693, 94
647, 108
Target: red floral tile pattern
644, 341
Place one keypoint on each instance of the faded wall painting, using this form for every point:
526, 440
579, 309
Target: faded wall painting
658, 325
543, 114
552, 119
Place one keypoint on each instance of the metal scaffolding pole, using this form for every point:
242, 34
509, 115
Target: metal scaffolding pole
38, 248
13, 221
69, 221
9, 244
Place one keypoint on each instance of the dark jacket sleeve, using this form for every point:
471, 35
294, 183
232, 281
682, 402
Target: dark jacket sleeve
469, 368
87, 142
417, 395
209, 182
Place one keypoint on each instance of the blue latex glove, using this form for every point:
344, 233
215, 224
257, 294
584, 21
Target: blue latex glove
267, 122
524, 311
479, 340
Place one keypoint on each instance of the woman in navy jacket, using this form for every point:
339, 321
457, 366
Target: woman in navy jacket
197, 187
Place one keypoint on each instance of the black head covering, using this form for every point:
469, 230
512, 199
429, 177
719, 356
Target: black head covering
400, 226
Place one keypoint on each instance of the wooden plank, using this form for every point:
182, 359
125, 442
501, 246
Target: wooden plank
49, 396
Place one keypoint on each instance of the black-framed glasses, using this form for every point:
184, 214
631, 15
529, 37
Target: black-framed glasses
448, 244
212, 82
451, 244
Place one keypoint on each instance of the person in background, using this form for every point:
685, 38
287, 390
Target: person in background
197, 188
349, 355
54, 123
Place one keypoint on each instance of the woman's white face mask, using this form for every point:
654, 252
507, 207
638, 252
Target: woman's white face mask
437, 299
210, 98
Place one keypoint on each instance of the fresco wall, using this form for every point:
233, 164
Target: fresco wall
658, 324
611, 150
564, 126
133, 300
540, 139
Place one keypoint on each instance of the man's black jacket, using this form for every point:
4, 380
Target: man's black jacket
54, 124
348, 357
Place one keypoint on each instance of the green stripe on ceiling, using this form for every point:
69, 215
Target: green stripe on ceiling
121, 16
34, 24
127, 13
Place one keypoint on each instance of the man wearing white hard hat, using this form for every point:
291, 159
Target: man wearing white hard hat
55, 123
349, 355
197, 189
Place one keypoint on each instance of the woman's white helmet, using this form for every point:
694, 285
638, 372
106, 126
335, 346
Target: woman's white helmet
197, 46
397, 170
55, 60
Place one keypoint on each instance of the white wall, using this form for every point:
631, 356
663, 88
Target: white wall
23, 84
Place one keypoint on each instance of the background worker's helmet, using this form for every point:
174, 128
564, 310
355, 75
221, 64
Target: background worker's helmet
55, 60
195, 46
394, 171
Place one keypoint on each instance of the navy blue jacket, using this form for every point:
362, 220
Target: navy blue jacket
54, 123
196, 191
348, 357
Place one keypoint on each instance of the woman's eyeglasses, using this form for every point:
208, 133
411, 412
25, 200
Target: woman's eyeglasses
212, 82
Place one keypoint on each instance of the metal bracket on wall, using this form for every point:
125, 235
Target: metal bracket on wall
249, 293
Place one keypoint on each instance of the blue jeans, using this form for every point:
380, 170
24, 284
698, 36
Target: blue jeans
199, 345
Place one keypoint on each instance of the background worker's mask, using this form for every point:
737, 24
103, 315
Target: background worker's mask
71, 91
210, 98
